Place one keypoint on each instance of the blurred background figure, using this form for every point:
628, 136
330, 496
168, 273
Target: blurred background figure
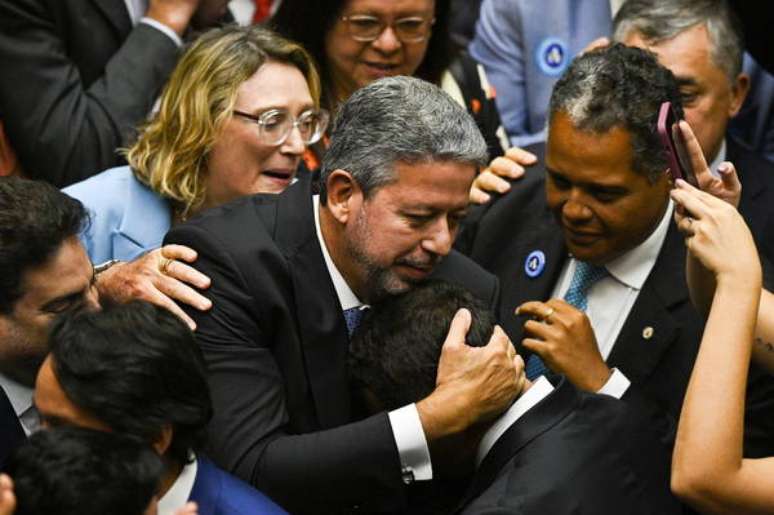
79, 75
358, 41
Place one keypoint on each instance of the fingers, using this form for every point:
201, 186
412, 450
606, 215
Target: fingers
477, 196
505, 167
181, 292
731, 184
597, 43
160, 299
521, 156
187, 274
458, 329
695, 154
179, 252
693, 200
490, 182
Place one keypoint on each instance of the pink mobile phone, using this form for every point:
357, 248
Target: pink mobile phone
674, 144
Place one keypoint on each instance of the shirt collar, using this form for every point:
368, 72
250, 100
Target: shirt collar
633, 268
347, 297
540, 389
718, 158
180, 491
20, 395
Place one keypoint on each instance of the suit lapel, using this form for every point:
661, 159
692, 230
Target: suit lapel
520, 287
11, 432
116, 13
321, 325
534, 423
650, 328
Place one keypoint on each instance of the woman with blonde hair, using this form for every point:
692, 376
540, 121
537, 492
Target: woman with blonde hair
235, 118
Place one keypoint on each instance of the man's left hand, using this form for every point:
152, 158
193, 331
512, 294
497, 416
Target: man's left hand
563, 338
495, 177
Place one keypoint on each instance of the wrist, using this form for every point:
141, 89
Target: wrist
441, 415
176, 18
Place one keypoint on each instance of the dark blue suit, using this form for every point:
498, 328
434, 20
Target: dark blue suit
11, 432
219, 493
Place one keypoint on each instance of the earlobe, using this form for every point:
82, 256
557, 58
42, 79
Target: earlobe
739, 92
164, 440
342, 192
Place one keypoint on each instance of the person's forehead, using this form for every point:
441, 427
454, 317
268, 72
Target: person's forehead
67, 271
687, 55
388, 6
429, 181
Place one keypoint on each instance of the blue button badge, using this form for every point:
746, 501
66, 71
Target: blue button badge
535, 263
552, 56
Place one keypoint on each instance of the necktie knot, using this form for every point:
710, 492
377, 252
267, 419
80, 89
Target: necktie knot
586, 274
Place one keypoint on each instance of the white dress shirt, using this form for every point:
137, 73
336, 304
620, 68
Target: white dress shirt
180, 491
21, 399
540, 389
406, 425
611, 298
136, 10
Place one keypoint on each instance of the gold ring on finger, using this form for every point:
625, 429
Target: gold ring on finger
548, 314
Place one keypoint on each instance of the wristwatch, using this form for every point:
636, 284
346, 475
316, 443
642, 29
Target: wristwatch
98, 269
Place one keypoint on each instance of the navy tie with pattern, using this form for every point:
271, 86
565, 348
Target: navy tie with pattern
583, 279
353, 317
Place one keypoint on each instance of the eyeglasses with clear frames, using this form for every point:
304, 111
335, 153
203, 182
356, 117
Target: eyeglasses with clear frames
275, 125
364, 27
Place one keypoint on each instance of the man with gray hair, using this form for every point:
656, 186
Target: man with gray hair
588, 251
291, 275
701, 42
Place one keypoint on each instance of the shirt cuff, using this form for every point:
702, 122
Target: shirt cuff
171, 34
410, 438
616, 385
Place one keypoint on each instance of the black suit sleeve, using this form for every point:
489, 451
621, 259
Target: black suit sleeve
356, 464
62, 130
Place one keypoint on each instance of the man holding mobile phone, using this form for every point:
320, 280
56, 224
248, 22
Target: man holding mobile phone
586, 253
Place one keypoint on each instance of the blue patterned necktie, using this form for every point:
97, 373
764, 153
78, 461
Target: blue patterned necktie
353, 317
583, 279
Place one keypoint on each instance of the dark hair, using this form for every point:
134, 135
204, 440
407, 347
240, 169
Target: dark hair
620, 86
308, 22
137, 368
394, 352
35, 220
80, 471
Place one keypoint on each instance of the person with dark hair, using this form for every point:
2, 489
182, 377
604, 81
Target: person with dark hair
394, 185
355, 42
74, 470
556, 448
588, 250
45, 272
136, 370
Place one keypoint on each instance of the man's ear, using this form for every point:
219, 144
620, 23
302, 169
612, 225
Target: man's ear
164, 440
343, 195
739, 90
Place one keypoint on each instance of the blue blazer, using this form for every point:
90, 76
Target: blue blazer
127, 217
219, 493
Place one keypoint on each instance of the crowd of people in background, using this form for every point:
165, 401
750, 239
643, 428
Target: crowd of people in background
386, 256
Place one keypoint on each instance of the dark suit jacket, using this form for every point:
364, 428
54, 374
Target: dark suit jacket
757, 203
574, 453
76, 78
11, 432
218, 493
501, 236
276, 345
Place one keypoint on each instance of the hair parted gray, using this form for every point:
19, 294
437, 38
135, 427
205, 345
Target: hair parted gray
659, 20
619, 86
399, 119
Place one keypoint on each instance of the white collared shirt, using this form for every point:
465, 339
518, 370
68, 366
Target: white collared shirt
21, 399
180, 491
540, 389
719, 158
611, 298
136, 10
406, 425
615, 6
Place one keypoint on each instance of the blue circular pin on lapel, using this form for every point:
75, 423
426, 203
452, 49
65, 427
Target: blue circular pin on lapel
535, 263
551, 56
